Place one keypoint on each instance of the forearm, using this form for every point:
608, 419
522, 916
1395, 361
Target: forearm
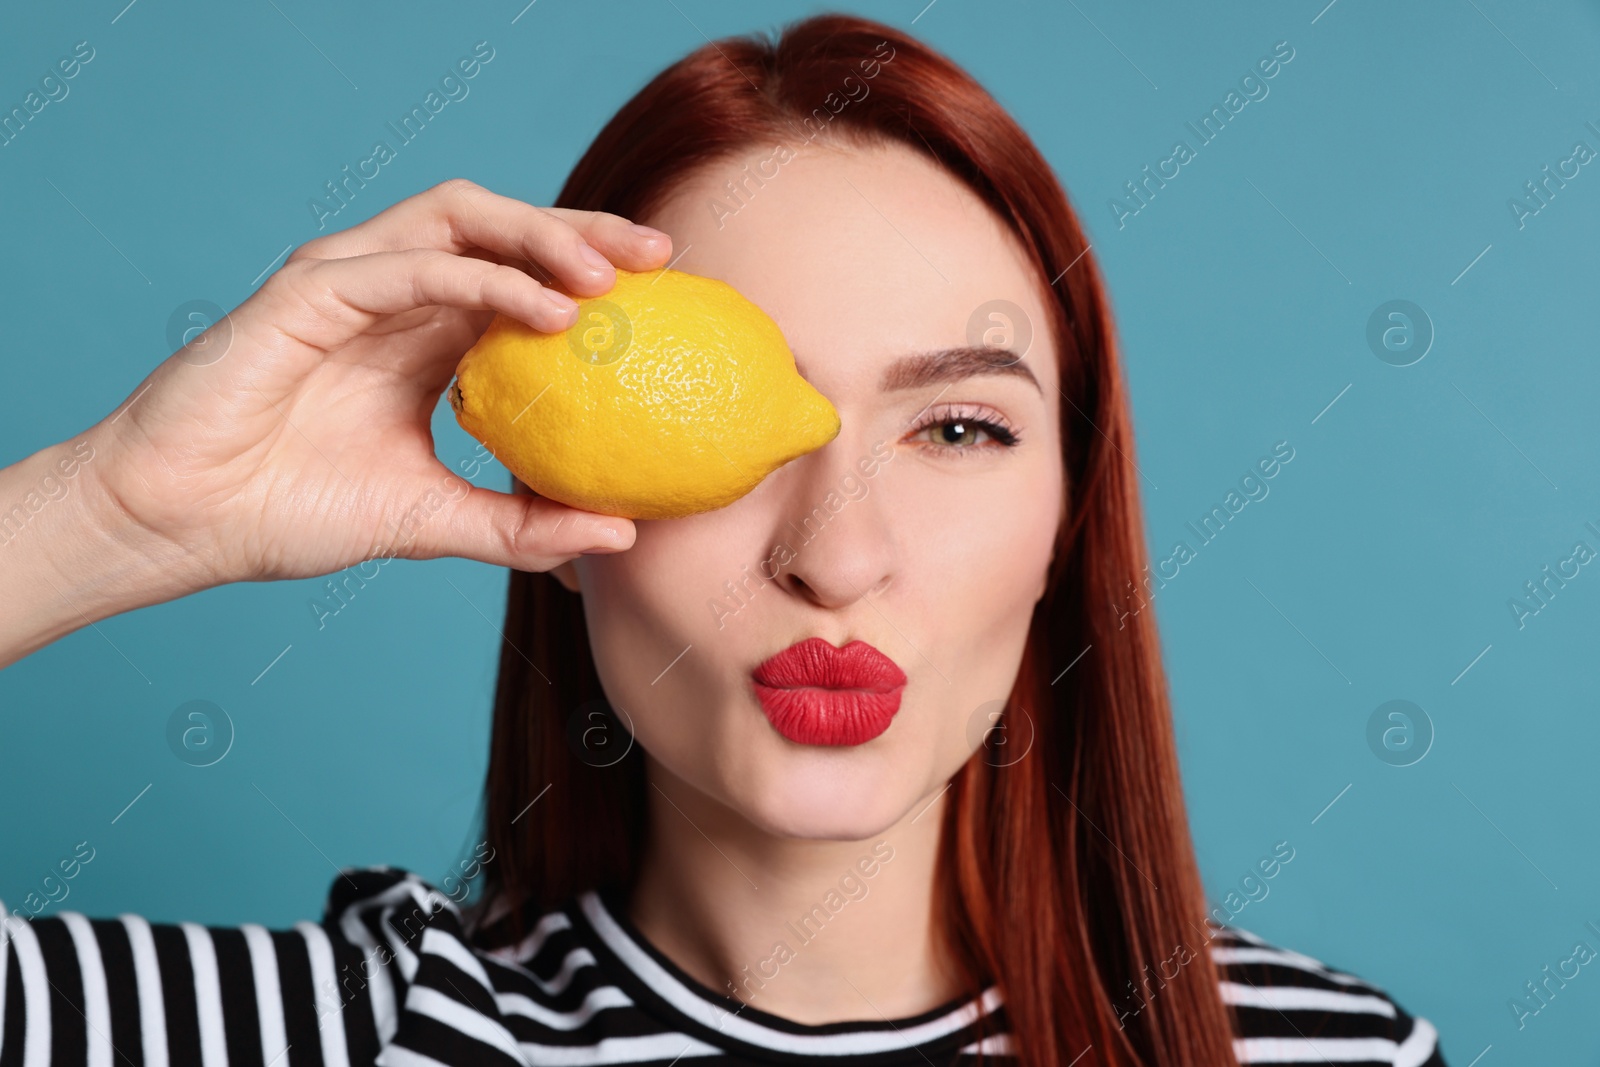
66, 558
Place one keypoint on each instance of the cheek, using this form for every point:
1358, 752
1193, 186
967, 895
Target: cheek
645, 606
676, 570
983, 544
982, 547
658, 589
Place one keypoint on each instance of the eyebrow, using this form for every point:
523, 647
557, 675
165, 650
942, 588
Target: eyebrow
953, 365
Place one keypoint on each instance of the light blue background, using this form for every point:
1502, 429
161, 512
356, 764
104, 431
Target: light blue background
1378, 568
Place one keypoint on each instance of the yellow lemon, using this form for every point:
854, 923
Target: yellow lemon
671, 394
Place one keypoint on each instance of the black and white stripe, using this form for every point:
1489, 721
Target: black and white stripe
1295, 1009
388, 977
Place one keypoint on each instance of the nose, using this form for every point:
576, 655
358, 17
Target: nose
836, 522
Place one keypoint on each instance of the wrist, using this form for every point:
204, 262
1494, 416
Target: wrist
69, 554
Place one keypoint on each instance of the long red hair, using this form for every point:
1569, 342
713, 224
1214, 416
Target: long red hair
1068, 877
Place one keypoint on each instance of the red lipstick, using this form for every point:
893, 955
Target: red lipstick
816, 694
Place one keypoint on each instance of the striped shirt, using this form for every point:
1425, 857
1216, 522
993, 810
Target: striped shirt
389, 977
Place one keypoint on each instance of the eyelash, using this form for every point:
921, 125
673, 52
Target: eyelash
1001, 434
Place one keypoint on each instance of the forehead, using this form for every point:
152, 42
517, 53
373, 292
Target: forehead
859, 253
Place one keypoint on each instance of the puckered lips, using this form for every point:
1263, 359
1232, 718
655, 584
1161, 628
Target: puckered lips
816, 694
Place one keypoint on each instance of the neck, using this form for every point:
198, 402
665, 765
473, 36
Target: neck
812, 931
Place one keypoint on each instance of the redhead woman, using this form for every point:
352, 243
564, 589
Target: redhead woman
864, 768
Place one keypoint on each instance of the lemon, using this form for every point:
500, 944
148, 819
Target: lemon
670, 395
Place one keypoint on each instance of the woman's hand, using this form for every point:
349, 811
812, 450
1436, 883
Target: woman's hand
304, 446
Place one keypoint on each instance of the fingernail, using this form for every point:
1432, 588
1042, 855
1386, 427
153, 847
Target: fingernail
592, 256
646, 232
560, 301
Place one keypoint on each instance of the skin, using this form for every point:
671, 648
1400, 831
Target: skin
936, 560
245, 469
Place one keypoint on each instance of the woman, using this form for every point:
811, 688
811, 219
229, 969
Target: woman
744, 799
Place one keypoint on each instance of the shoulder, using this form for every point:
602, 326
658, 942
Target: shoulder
392, 891
1292, 1008
75, 989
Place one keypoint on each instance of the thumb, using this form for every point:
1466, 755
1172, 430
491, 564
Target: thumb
519, 530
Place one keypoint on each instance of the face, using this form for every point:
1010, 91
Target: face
925, 528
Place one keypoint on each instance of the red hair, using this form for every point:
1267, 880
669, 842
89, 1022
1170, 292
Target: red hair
1068, 877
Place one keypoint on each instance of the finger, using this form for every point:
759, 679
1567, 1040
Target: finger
524, 532
554, 250
561, 240
332, 301
459, 216
627, 244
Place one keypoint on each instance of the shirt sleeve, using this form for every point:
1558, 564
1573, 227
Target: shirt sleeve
1416, 1040
1289, 1007
98, 992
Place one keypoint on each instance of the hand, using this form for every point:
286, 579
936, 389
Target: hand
305, 448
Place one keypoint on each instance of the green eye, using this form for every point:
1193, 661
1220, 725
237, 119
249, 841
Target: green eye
955, 431
960, 434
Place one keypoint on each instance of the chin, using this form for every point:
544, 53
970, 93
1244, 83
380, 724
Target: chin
828, 793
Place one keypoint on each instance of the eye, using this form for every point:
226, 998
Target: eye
960, 429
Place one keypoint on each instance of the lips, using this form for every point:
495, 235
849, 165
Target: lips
816, 694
